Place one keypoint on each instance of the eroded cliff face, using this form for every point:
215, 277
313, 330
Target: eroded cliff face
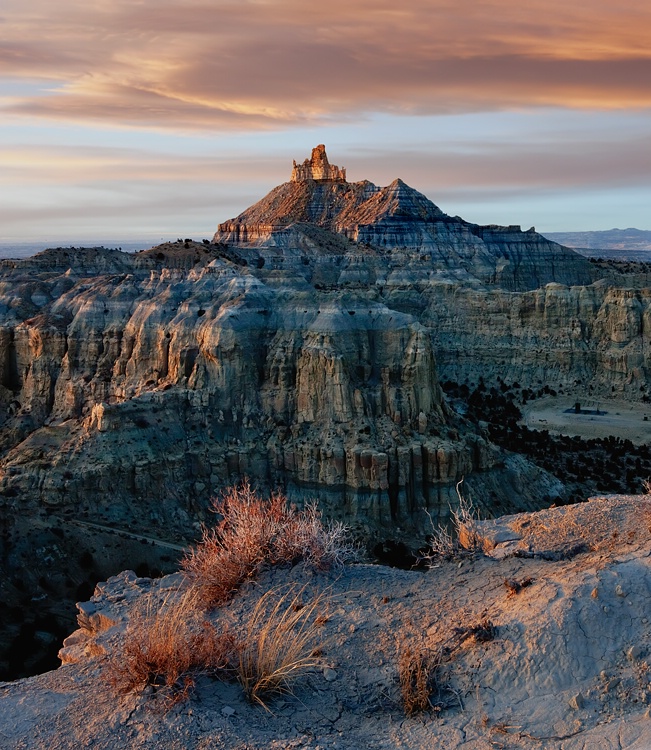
136, 385
303, 350
300, 357
398, 219
598, 337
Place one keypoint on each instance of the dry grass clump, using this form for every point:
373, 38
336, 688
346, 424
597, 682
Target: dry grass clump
445, 544
282, 643
417, 673
254, 532
483, 632
167, 645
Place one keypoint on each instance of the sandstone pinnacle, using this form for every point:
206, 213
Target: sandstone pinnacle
317, 168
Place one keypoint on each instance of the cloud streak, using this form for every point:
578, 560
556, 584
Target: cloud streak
69, 187
251, 64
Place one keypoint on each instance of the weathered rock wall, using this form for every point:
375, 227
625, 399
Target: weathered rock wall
596, 335
148, 384
397, 218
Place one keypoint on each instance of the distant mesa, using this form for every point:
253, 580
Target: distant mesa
318, 168
318, 211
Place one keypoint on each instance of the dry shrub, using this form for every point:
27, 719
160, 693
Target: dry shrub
515, 586
282, 643
443, 544
254, 532
167, 645
417, 672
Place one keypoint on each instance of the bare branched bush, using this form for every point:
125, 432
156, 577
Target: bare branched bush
444, 543
254, 532
167, 645
282, 643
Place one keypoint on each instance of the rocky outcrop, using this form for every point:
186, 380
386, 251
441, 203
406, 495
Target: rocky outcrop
597, 337
166, 379
546, 649
303, 351
399, 218
317, 167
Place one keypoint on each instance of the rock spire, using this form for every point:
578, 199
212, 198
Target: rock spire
318, 168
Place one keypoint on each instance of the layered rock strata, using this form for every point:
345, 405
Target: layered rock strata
303, 350
399, 218
162, 380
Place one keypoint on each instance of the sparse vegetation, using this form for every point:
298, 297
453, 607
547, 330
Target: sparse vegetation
585, 466
515, 586
167, 645
282, 642
483, 632
445, 543
417, 670
254, 533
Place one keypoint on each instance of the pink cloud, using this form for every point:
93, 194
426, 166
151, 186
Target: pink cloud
234, 65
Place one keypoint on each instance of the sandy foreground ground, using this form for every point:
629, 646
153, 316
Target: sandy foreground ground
545, 638
622, 419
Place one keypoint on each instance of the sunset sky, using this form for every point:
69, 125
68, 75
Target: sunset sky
160, 118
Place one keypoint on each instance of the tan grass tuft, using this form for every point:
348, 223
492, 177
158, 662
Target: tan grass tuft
282, 643
417, 671
167, 645
462, 539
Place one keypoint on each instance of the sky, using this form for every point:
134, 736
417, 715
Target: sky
157, 119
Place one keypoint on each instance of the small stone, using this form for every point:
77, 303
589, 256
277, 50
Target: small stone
635, 652
330, 674
577, 702
619, 591
594, 593
228, 711
86, 608
612, 684
606, 608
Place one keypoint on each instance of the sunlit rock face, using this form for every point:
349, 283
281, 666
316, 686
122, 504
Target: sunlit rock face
303, 350
317, 167
137, 387
398, 218
593, 335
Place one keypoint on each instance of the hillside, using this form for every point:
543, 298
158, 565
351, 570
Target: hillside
304, 349
540, 642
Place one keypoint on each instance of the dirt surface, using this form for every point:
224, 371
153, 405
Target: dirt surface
563, 664
622, 419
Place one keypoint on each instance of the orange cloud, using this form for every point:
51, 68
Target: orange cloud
261, 63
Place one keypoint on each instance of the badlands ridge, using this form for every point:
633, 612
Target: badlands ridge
304, 347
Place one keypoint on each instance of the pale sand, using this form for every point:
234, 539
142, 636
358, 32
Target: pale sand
623, 418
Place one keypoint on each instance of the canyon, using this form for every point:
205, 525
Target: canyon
302, 347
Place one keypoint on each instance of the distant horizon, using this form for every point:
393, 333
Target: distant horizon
20, 249
158, 238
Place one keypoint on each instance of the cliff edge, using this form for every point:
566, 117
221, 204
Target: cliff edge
545, 646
